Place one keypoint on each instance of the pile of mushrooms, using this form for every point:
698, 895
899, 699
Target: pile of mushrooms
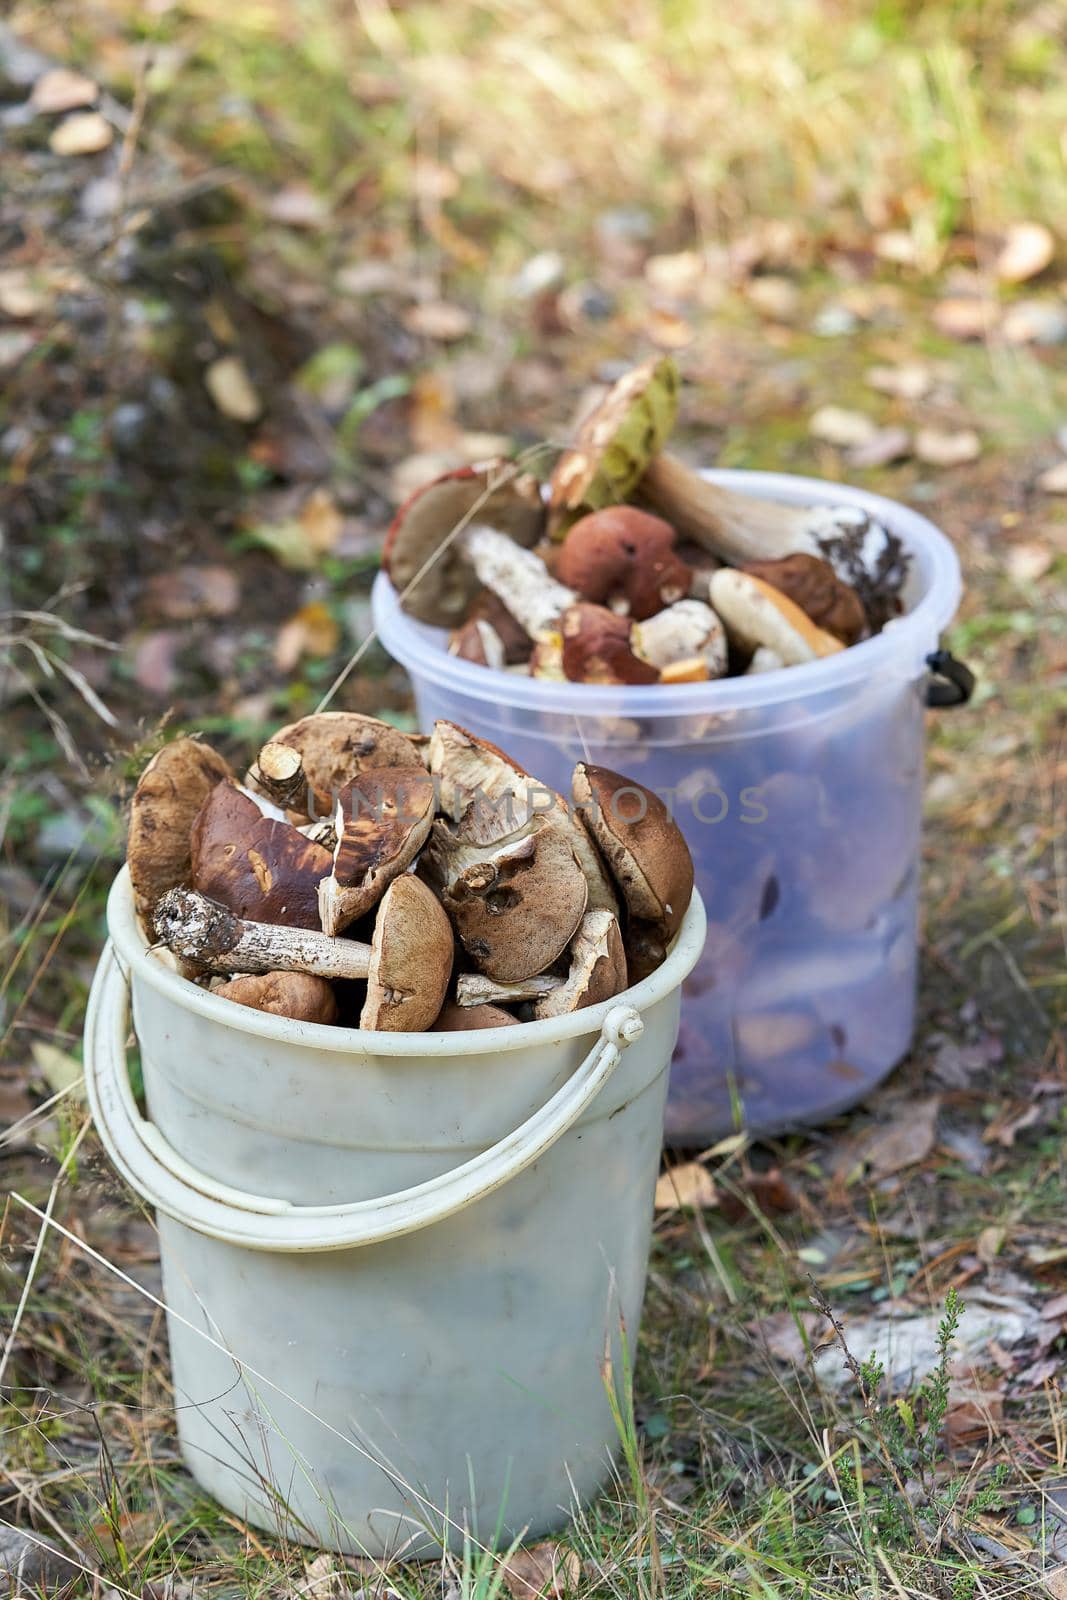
362, 876
630, 568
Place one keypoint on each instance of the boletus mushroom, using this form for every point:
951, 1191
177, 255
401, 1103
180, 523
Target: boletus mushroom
624, 559
170, 792
646, 855
425, 552
337, 746
597, 972
813, 585
757, 615
614, 444
597, 648
298, 995
256, 866
455, 1018
687, 632
383, 820
407, 965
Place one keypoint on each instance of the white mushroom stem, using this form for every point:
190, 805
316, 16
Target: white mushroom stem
518, 578
201, 930
764, 660
472, 989
739, 527
279, 773
683, 632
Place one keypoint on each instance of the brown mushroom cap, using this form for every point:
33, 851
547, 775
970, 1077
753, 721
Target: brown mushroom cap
515, 906
336, 746
625, 559
641, 843
460, 1019
615, 443
411, 960
260, 869
597, 969
170, 792
494, 494
299, 995
478, 641
383, 820
813, 585
754, 613
488, 607
597, 648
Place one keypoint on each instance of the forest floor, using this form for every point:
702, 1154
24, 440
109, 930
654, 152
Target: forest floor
289, 263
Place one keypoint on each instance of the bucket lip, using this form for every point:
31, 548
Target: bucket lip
911, 637
132, 948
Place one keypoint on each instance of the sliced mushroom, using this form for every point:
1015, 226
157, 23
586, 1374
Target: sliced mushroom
455, 1018
279, 773
170, 792
424, 554
299, 995
336, 746
407, 965
684, 632
624, 559
597, 972
257, 867
411, 960
756, 614
646, 855
615, 443
813, 585
597, 648
382, 821
478, 641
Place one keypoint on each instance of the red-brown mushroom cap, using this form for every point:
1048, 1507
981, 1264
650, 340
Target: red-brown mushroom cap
495, 494
169, 793
597, 648
463, 1019
260, 869
300, 995
641, 843
337, 746
383, 820
411, 960
625, 559
813, 585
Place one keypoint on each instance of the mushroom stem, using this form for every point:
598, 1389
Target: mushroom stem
738, 528
279, 772
472, 989
518, 578
203, 931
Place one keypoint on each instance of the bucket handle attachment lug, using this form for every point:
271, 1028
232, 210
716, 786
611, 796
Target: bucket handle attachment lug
259, 1222
951, 681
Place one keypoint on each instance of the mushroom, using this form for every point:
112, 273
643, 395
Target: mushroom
284, 994
814, 586
424, 553
478, 641
646, 855
170, 792
619, 452
336, 746
624, 559
518, 578
252, 864
756, 614
684, 633
407, 965
764, 660
383, 820
597, 972
455, 1018
516, 641
597, 648
278, 773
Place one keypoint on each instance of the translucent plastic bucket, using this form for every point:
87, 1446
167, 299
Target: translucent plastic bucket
800, 793
394, 1264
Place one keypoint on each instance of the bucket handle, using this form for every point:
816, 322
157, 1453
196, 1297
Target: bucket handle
258, 1222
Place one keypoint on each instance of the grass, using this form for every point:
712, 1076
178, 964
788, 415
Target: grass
449, 144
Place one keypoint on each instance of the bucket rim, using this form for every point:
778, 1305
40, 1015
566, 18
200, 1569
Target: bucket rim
133, 948
910, 638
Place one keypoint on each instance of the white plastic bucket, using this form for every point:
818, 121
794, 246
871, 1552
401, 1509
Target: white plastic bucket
800, 793
394, 1264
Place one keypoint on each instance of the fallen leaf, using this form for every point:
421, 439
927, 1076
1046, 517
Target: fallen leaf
1055, 1583
311, 631
438, 319
903, 1142
19, 296
1027, 250
14, 344
1035, 322
232, 389
788, 1335
85, 133
938, 448
687, 1185
155, 662
33, 1564
1006, 1130
676, 276
321, 522
1054, 479
896, 245
835, 425
298, 206
188, 592
1029, 561
884, 445
908, 381
775, 297
59, 89
973, 1412
60, 1071
547, 1569
372, 277
668, 329
989, 1243
964, 317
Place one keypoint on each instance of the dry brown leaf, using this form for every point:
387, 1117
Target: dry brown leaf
60, 1070
1054, 479
311, 631
1042, 322
838, 426
1029, 560
232, 389
547, 1569
85, 133
1055, 1583
298, 206
1027, 250
973, 1413
155, 667
903, 1142
668, 329
908, 381
193, 591
938, 448
321, 521
438, 319
19, 297
964, 317
59, 89
884, 445
676, 276
688, 1184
